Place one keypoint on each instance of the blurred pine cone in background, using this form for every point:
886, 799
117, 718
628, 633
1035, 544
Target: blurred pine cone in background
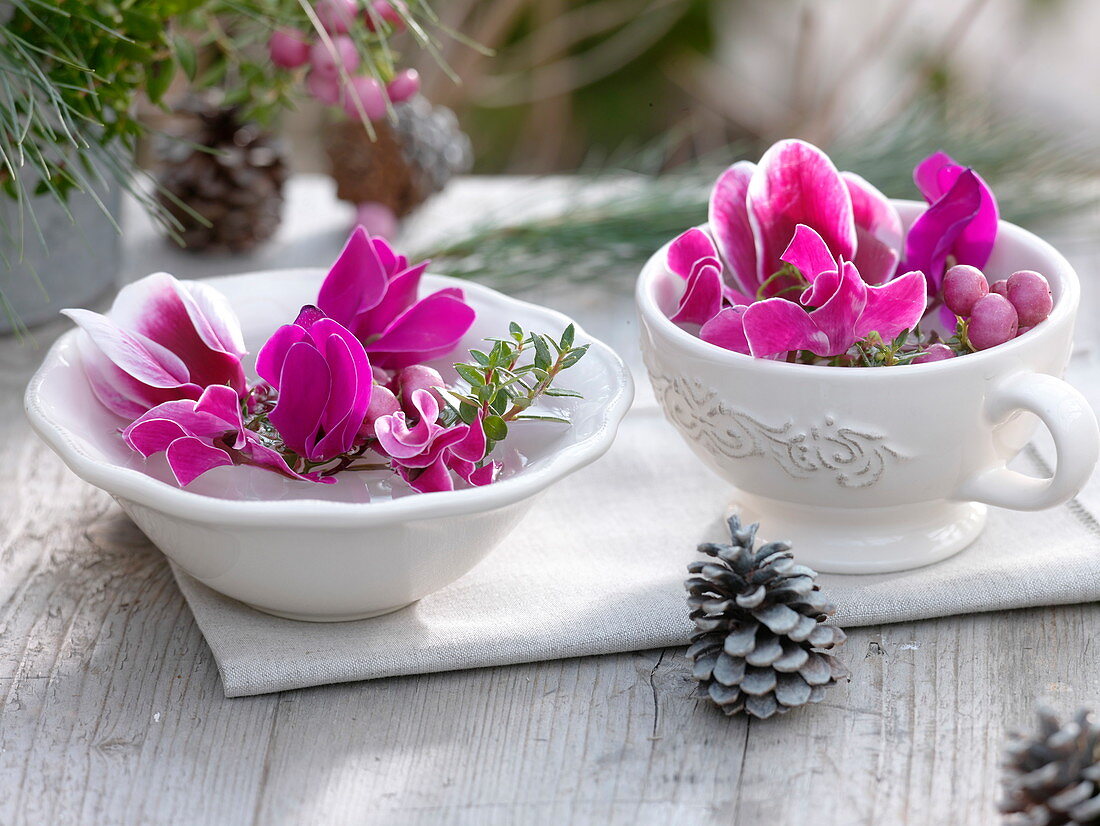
229, 172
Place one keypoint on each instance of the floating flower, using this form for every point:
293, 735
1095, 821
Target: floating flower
161, 340
836, 310
960, 222
425, 452
198, 436
754, 209
373, 292
324, 380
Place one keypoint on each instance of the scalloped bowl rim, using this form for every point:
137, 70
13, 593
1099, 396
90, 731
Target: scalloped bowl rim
134, 485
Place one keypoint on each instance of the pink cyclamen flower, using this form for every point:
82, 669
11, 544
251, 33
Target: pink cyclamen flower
424, 453
162, 339
373, 292
836, 310
960, 222
324, 381
754, 209
199, 435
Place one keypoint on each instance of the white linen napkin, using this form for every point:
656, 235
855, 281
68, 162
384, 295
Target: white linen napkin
598, 567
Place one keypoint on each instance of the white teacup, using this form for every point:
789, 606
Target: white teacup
870, 470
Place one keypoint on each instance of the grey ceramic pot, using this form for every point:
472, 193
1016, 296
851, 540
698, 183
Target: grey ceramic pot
79, 263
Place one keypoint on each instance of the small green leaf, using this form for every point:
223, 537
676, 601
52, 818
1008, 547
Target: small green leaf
467, 412
573, 356
515, 331
186, 56
479, 357
567, 337
500, 402
495, 428
472, 374
542, 353
559, 393
542, 417
158, 77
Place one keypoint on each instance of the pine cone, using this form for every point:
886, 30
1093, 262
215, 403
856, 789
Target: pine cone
1054, 778
408, 161
759, 645
237, 187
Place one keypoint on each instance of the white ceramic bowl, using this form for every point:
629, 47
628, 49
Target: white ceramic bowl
324, 552
878, 469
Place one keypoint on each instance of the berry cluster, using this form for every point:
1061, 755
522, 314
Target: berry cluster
332, 77
991, 314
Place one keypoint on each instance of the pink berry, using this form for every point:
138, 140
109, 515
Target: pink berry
1022, 330
937, 352
288, 48
324, 61
963, 285
404, 85
378, 219
385, 11
993, 321
336, 15
369, 94
326, 88
1000, 287
1030, 294
418, 377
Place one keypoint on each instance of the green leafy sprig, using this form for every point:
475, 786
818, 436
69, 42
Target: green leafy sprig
504, 385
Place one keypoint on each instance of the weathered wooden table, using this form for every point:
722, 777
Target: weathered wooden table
112, 710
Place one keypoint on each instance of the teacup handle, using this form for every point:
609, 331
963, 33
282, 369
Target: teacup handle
1071, 422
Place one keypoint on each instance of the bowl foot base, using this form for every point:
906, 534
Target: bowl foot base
329, 617
865, 540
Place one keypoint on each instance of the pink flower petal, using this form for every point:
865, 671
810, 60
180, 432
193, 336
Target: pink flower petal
400, 295
138, 356
776, 326
933, 236
688, 248
190, 457
304, 385
878, 230
356, 282
936, 176
472, 446
926, 175
429, 329
837, 318
431, 479
702, 298
727, 330
730, 225
272, 356
794, 184
809, 252
894, 306
150, 436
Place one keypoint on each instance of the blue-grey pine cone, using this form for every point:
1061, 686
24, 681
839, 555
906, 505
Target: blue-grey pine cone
1053, 778
760, 644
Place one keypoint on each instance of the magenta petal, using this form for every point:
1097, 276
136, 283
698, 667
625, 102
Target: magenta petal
150, 436
837, 318
431, 479
878, 230
687, 249
400, 295
356, 282
809, 252
472, 446
727, 330
136, 355
120, 392
796, 183
304, 390
190, 457
775, 326
214, 318
729, 223
484, 475
270, 459
702, 298
430, 328
270, 359
894, 306
926, 176
933, 235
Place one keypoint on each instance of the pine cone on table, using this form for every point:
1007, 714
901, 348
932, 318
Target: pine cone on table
760, 645
409, 159
1053, 778
229, 172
